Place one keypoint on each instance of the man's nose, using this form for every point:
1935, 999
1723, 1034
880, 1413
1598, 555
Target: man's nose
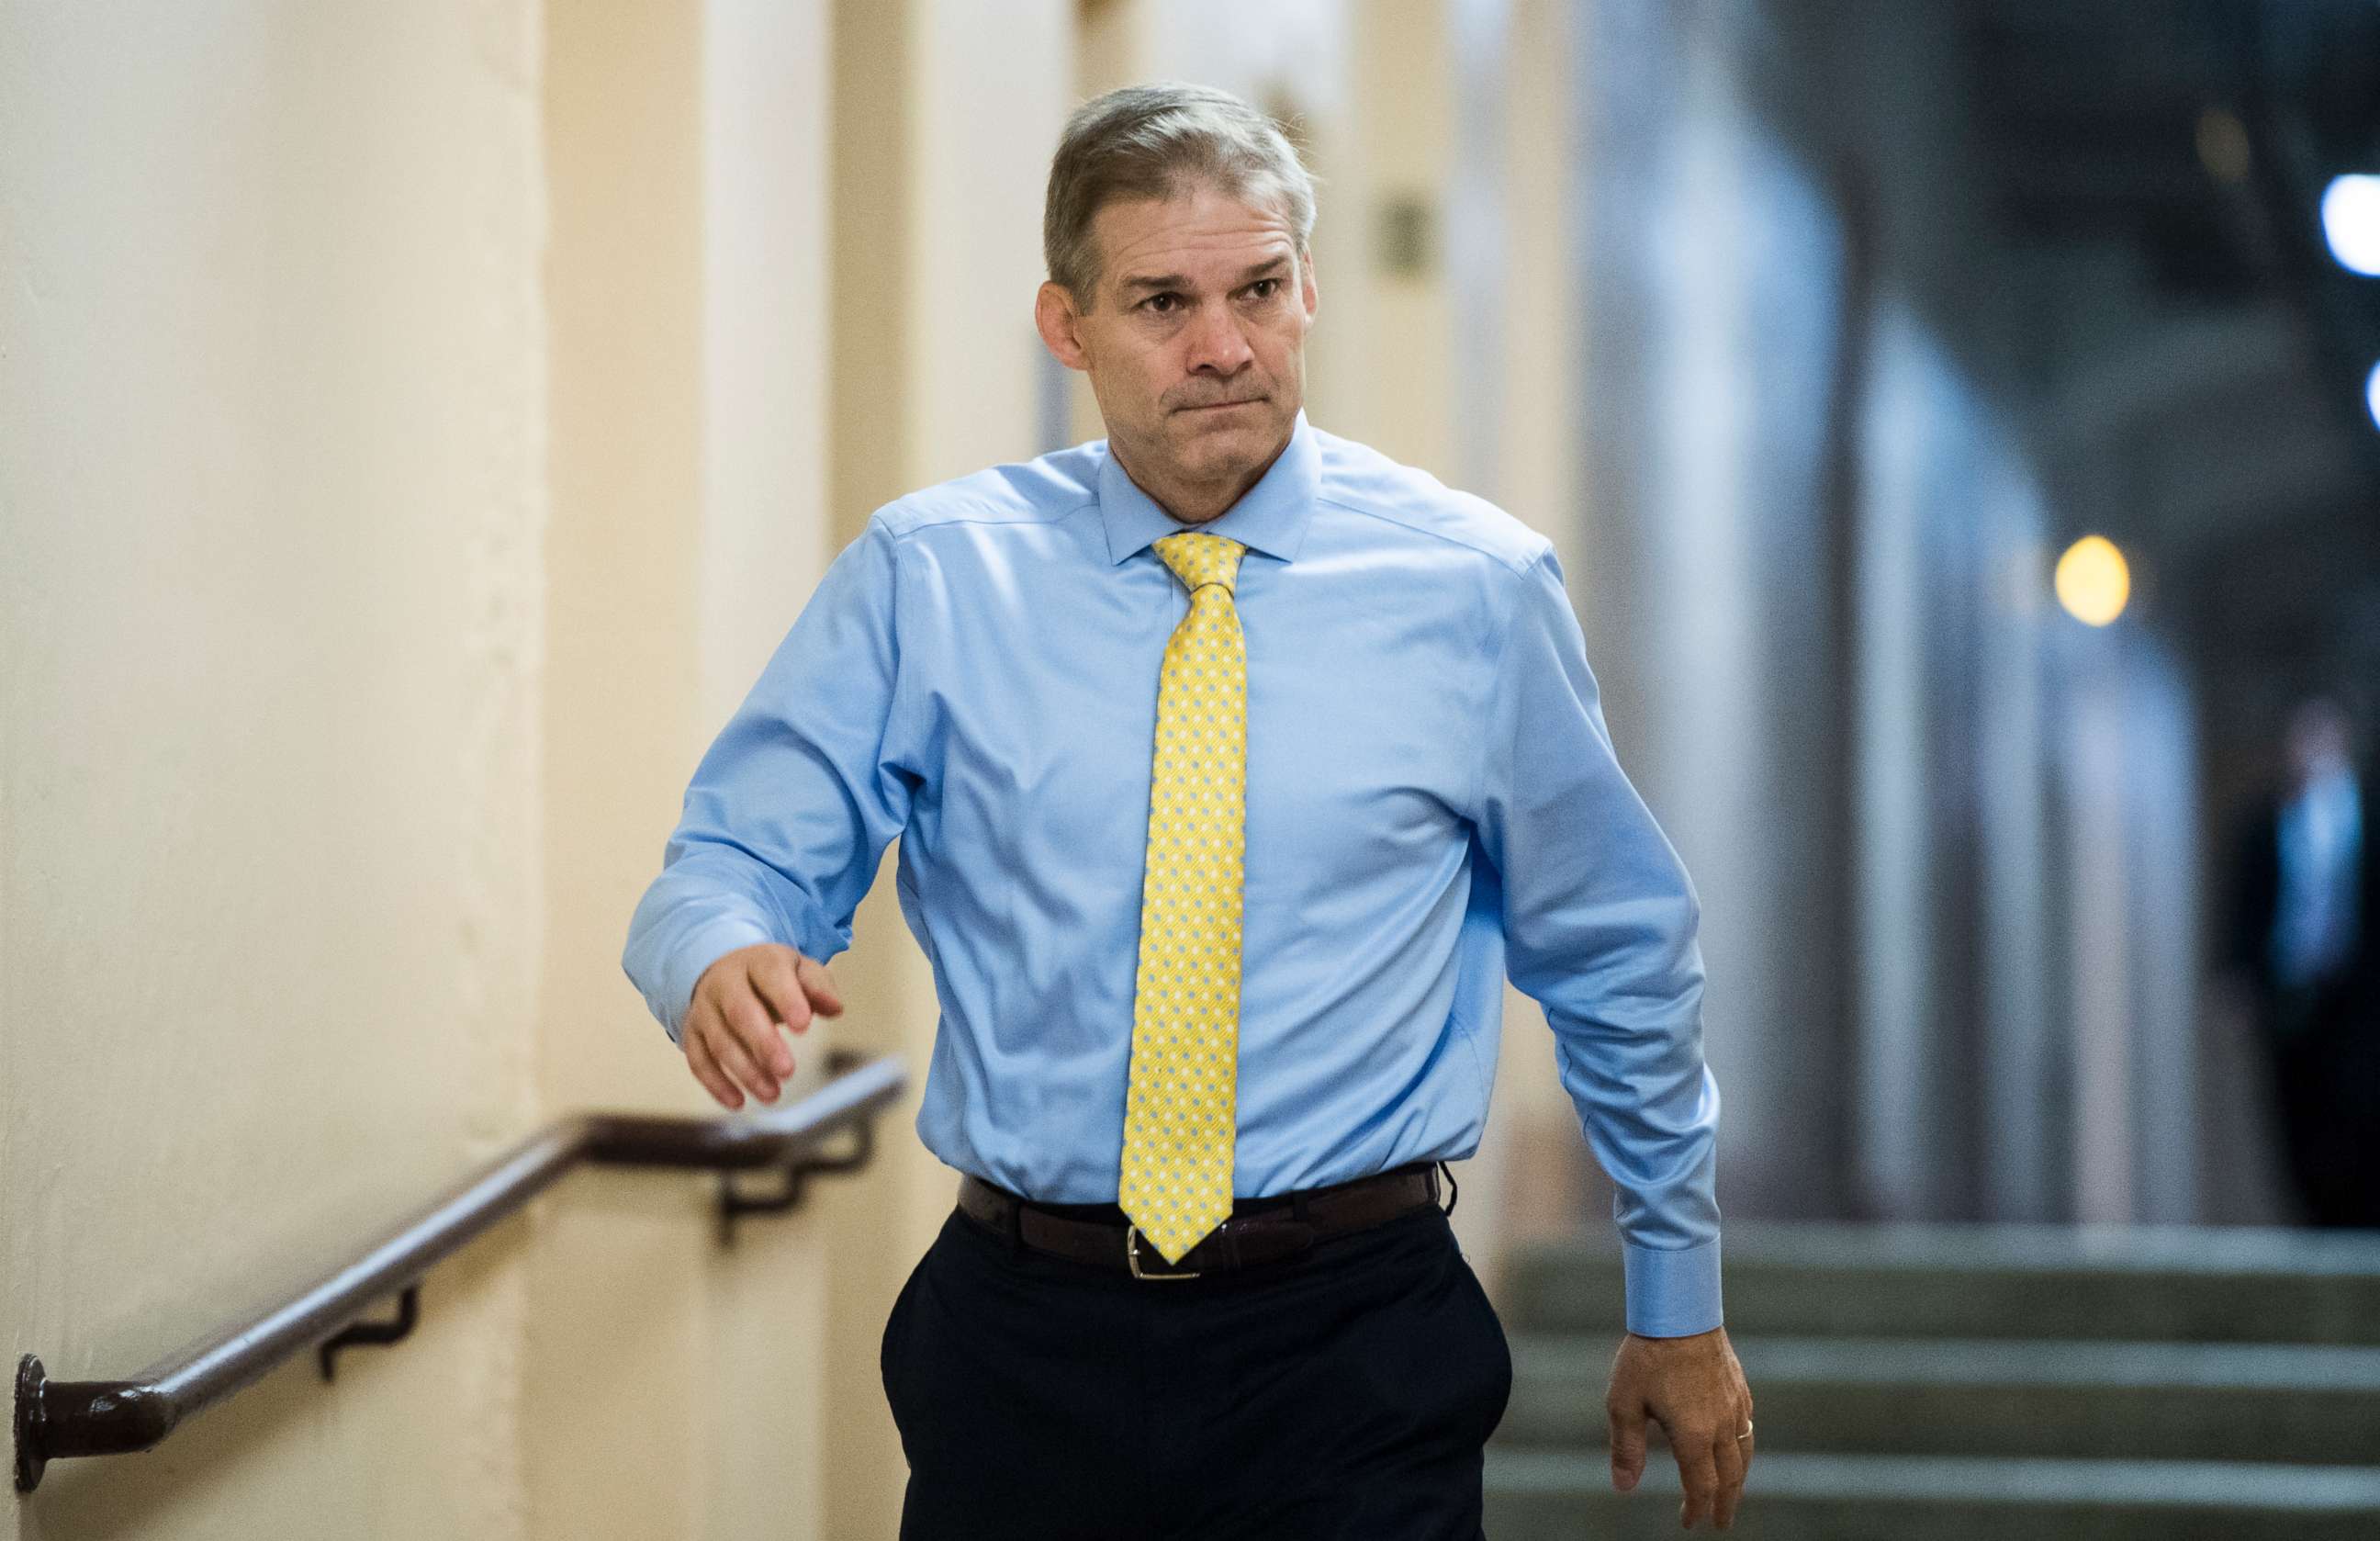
1217, 344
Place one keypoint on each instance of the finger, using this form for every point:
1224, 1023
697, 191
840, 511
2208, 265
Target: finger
776, 980
1731, 1455
726, 1046
704, 1029
756, 1030
820, 985
1627, 1447
1698, 1473
706, 1070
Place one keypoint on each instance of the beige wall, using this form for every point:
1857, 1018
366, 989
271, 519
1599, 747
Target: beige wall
671, 1387
603, 1372
1404, 109
272, 437
674, 1388
411, 447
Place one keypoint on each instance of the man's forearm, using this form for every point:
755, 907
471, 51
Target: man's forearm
702, 906
1649, 1107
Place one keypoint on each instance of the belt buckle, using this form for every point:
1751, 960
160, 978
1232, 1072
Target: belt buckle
1132, 1258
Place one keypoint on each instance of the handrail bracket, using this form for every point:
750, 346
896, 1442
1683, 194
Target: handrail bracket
356, 1333
734, 1202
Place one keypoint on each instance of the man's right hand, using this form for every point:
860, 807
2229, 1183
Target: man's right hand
729, 1034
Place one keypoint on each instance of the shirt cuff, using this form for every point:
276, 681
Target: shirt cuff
683, 969
1673, 1291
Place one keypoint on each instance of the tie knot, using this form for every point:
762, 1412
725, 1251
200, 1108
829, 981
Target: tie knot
1198, 558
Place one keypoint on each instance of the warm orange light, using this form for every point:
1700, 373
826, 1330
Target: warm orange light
2094, 581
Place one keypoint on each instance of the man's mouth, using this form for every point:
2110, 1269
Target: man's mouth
1218, 405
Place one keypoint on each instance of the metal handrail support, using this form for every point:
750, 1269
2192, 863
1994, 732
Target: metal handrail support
58, 1418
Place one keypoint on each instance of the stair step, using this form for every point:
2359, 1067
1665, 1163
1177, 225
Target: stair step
2291, 1402
2152, 1283
1559, 1496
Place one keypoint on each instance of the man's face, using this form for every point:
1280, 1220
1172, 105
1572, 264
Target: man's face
1202, 300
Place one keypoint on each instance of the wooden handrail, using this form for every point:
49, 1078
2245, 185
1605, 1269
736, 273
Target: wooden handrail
58, 1418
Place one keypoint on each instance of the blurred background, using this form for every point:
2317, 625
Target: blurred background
1960, 420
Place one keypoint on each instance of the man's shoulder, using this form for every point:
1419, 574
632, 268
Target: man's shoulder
1362, 481
1014, 492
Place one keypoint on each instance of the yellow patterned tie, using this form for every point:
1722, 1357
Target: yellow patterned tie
1181, 1114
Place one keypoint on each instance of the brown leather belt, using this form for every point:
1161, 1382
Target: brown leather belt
1259, 1229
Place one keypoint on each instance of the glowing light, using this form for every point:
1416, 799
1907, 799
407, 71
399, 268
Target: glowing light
2223, 145
2371, 394
2094, 580
2350, 218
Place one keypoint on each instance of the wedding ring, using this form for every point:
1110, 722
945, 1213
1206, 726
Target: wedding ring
1747, 1430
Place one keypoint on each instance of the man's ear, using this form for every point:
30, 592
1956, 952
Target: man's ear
1053, 316
1307, 293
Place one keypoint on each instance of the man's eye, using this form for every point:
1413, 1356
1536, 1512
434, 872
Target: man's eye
1268, 285
1149, 304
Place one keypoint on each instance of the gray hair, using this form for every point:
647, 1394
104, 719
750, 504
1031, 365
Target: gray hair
1158, 140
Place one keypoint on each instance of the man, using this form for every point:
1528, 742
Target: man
2304, 899
1231, 762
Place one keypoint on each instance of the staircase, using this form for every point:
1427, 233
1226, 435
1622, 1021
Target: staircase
1959, 1381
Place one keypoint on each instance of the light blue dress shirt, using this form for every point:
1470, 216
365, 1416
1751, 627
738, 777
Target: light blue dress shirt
1432, 800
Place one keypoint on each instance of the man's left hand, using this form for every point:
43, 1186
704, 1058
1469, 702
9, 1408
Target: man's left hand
1694, 1389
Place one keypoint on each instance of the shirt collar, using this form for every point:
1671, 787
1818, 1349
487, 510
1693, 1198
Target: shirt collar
1270, 517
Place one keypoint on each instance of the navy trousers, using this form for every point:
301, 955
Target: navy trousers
1344, 1393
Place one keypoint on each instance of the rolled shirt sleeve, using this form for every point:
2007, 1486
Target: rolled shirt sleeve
1601, 929
789, 811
